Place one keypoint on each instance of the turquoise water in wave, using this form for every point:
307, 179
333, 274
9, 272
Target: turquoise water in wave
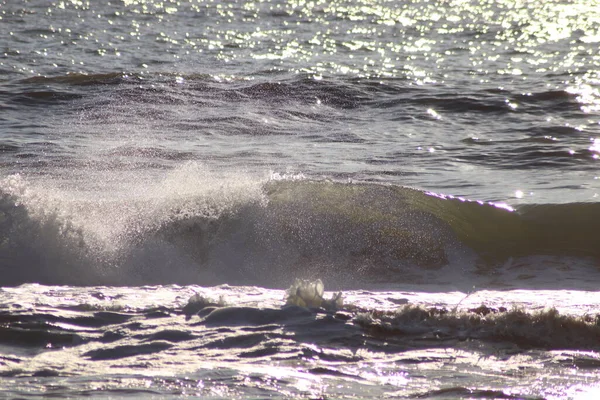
436, 162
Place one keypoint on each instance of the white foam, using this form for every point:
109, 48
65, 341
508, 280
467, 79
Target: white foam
306, 293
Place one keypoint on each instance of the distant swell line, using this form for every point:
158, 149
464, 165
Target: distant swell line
342, 93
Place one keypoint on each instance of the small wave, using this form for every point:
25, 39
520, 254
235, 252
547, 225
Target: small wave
118, 352
83, 79
462, 392
546, 329
28, 336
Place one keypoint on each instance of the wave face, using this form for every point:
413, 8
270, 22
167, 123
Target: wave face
196, 227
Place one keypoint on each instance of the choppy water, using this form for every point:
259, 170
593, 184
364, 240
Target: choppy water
423, 157
136, 342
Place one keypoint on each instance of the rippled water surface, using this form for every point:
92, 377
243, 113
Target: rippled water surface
490, 100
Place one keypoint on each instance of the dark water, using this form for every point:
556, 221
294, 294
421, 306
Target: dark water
424, 157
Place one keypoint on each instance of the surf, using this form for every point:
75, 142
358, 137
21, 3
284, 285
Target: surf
195, 226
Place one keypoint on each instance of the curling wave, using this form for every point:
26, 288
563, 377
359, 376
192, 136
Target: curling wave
267, 233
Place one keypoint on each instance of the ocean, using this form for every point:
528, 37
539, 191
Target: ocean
299, 199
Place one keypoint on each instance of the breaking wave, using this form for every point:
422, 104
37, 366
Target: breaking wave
194, 227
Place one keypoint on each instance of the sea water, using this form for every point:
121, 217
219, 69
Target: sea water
172, 172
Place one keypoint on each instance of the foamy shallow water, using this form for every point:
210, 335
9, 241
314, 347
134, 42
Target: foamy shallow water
135, 342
